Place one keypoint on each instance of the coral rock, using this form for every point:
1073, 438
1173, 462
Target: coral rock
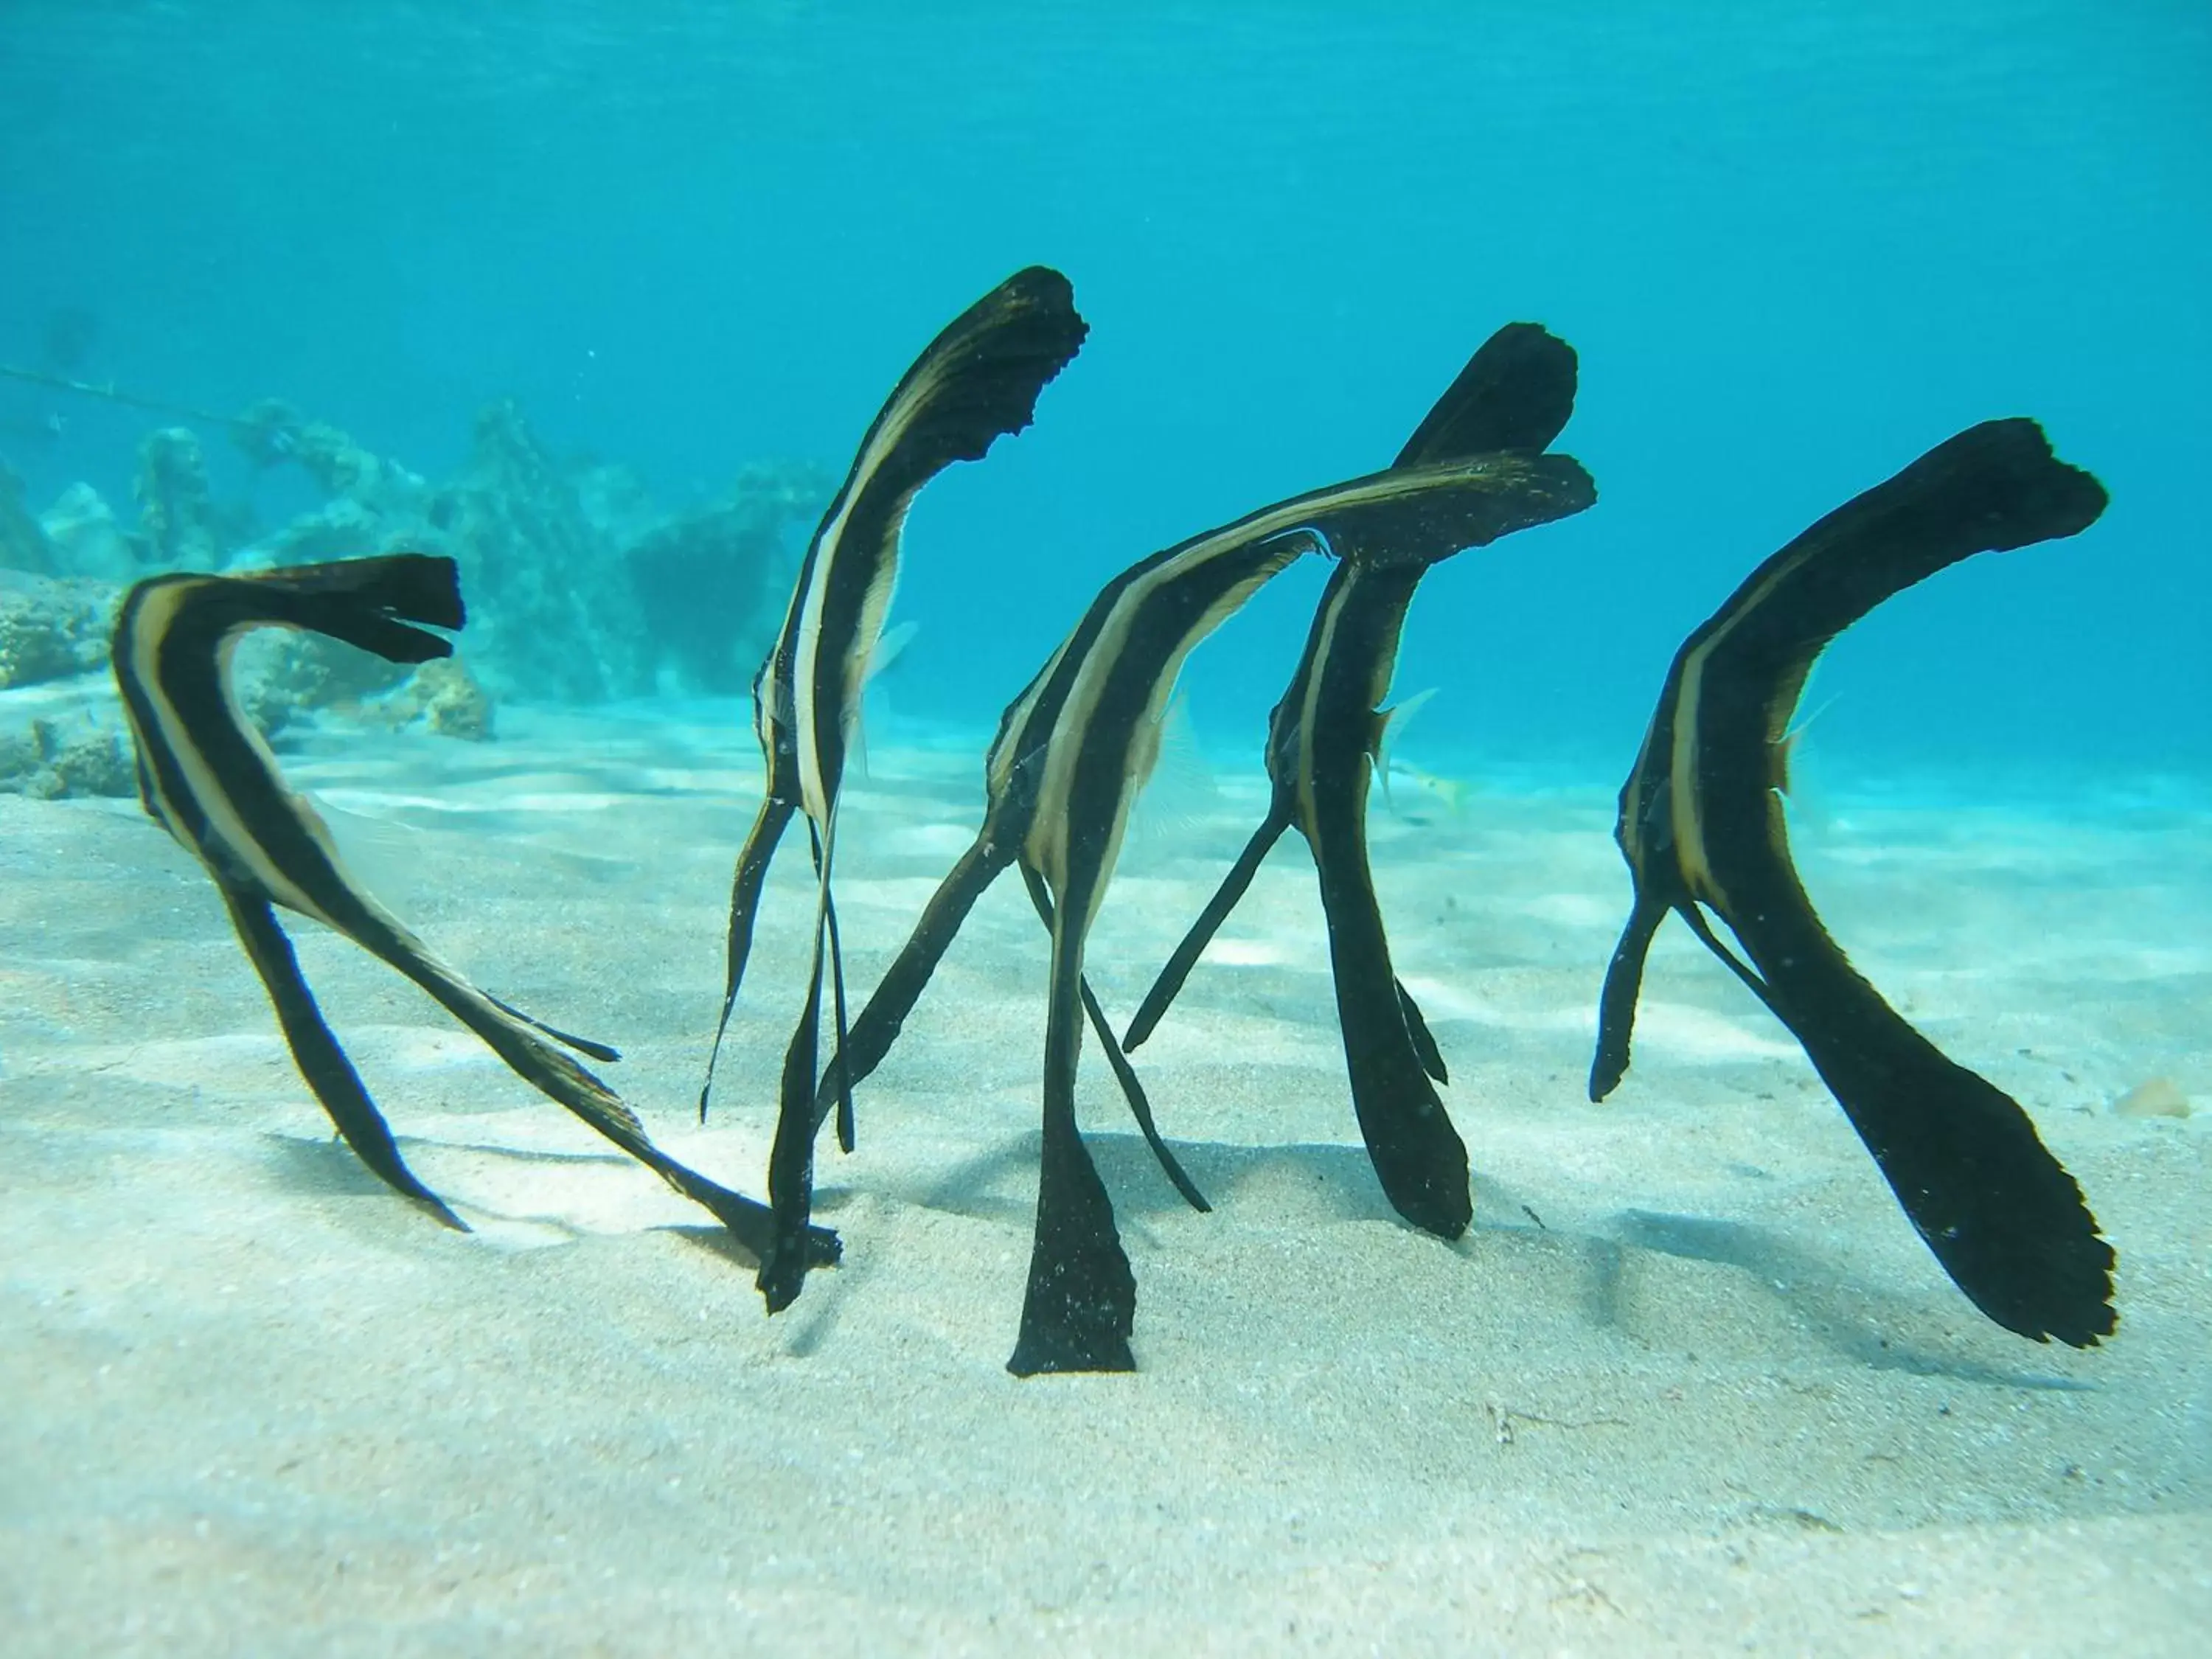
442, 698
23, 542
60, 756
176, 510
52, 627
86, 538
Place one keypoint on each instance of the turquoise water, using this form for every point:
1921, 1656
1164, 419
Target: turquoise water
1689, 1380
1796, 244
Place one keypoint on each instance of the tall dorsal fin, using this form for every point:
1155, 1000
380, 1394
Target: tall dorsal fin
1515, 392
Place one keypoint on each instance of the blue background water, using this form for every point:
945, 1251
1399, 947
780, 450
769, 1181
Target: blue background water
1795, 244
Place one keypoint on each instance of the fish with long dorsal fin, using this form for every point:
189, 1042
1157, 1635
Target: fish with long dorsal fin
1072, 751
206, 776
1325, 742
1703, 828
977, 381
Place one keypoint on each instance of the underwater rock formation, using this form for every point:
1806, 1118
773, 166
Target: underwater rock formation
85, 538
52, 627
553, 604
440, 697
583, 594
710, 583
65, 755
588, 590
271, 432
23, 542
283, 675
176, 509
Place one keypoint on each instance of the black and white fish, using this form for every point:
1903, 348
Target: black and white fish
977, 381
1326, 742
1703, 828
1070, 754
206, 776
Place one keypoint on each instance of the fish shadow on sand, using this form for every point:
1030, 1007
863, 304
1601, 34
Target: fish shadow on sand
326, 1167
319, 1166
1322, 1183
1834, 1311
1306, 1184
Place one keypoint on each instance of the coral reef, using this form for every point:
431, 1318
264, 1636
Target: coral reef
84, 538
550, 605
72, 753
442, 696
23, 541
283, 674
708, 583
579, 588
52, 627
176, 510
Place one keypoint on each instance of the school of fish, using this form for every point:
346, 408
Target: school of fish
1700, 822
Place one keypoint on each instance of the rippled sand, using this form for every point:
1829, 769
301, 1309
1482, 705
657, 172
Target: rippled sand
1691, 1383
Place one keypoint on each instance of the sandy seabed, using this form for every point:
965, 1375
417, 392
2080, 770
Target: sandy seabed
1690, 1383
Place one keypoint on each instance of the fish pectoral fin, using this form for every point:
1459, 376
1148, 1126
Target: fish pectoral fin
1180, 790
1389, 725
1786, 746
891, 645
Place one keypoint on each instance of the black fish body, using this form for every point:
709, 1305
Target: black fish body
1325, 737
1417, 1155
977, 381
1070, 754
206, 775
1703, 829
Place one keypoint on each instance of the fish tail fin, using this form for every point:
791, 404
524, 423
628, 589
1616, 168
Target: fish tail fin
2003, 1216
370, 603
977, 381
1081, 1303
1417, 1154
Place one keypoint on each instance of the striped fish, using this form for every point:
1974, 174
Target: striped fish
1071, 752
1325, 739
207, 777
977, 381
1703, 829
